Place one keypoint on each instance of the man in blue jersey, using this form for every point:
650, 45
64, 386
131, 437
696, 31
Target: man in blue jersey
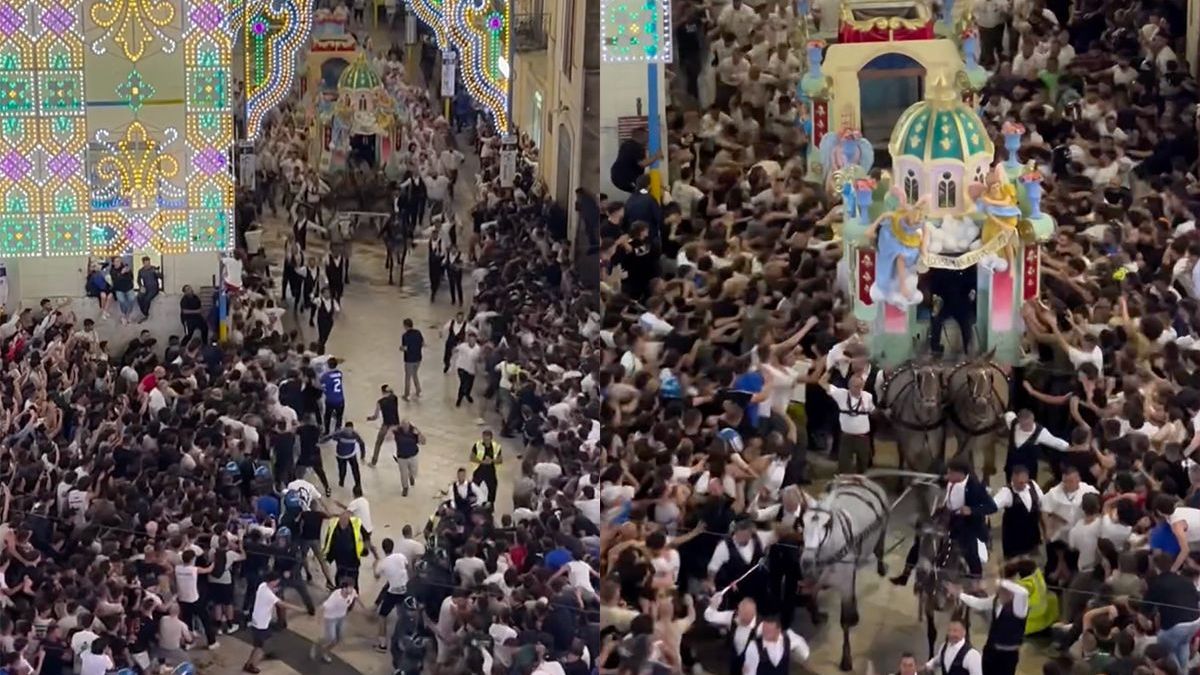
335, 396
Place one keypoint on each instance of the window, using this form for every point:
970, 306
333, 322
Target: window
535, 124
567, 43
911, 187
362, 103
947, 194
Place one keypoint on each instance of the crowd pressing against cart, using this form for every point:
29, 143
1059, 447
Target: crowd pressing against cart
732, 376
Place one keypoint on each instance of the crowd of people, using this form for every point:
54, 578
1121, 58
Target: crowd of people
160, 496
729, 365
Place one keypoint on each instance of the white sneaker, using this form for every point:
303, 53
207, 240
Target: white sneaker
214, 646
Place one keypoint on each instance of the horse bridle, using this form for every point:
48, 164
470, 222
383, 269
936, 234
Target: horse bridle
993, 404
852, 541
918, 376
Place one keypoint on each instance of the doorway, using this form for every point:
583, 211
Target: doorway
888, 85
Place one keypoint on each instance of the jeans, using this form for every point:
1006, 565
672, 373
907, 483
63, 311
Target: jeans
126, 300
1177, 639
379, 439
145, 299
411, 381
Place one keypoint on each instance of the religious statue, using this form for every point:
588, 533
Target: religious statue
997, 200
900, 242
843, 149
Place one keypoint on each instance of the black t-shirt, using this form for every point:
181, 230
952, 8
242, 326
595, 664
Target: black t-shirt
189, 302
56, 659
628, 165
389, 410
310, 525
412, 341
283, 444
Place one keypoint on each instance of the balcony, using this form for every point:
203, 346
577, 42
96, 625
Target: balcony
530, 32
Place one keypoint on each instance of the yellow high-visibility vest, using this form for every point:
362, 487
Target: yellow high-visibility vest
355, 524
479, 453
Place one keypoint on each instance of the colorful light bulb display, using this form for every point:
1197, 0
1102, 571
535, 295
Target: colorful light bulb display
635, 31
480, 31
274, 32
120, 141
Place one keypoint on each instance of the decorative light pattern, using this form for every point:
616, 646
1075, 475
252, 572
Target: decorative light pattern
480, 31
635, 31
133, 25
432, 14
134, 186
208, 49
274, 31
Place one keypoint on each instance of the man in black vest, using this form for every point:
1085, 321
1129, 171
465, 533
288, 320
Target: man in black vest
1021, 525
736, 561
1009, 608
1025, 440
783, 556
968, 504
955, 656
773, 651
742, 624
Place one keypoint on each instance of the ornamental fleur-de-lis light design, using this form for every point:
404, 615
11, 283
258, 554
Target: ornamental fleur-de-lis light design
133, 24
136, 165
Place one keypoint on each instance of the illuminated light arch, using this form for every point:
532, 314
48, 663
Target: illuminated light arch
274, 33
432, 14
480, 30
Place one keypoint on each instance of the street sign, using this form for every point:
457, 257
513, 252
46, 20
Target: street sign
508, 160
449, 72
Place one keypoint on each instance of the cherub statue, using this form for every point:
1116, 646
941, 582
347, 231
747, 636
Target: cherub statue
997, 199
842, 149
900, 241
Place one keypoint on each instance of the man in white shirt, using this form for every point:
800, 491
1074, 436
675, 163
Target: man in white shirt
955, 655
1085, 535
992, 18
775, 648
468, 359
265, 601
394, 569
854, 409
1061, 508
409, 547
96, 660
186, 584
1026, 438
333, 612
741, 622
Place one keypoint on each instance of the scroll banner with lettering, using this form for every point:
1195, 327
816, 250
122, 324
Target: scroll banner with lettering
866, 275
962, 262
1032, 273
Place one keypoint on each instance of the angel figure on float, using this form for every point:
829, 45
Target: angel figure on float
901, 241
997, 200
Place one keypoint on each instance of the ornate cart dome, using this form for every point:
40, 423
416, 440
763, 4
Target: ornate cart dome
359, 75
938, 147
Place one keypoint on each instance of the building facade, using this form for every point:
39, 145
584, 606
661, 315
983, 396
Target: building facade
556, 83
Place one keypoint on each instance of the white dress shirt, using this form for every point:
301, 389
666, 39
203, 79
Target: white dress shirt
1004, 496
774, 652
721, 554
1065, 505
741, 632
973, 662
1044, 437
1020, 602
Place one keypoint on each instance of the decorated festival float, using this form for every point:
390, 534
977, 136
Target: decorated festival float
351, 113
948, 235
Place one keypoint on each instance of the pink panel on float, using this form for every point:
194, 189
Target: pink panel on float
895, 319
1002, 301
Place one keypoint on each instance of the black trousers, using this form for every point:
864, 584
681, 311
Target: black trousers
333, 413
345, 572
435, 281
466, 383
318, 468
447, 353
454, 281
144, 300
193, 325
324, 328
1000, 661
352, 463
190, 612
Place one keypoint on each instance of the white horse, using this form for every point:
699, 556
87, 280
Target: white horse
844, 530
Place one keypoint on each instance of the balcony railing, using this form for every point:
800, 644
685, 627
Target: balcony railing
531, 32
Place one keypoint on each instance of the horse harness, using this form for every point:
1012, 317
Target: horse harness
842, 517
993, 407
928, 426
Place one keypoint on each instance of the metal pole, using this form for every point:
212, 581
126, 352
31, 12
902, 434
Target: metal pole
653, 129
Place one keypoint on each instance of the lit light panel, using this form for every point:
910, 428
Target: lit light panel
635, 31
